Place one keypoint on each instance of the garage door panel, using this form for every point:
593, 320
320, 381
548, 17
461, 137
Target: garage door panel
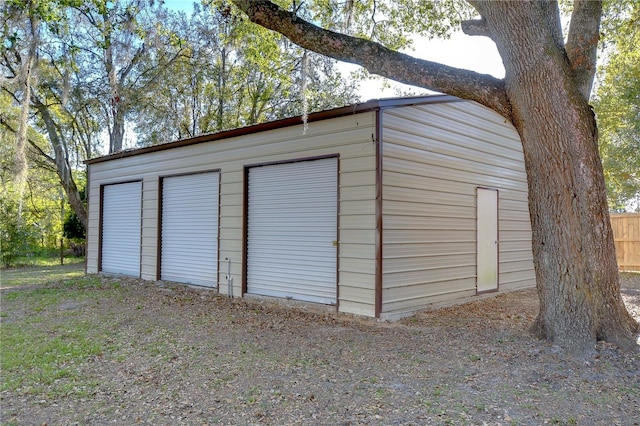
292, 227
290, 284
190, 214
121, 228
306, 259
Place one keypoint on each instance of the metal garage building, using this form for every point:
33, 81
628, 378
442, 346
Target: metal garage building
380, 208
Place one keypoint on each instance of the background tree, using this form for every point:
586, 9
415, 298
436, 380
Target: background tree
38, 201
125, 48
545, 95
74, 71
233, 74
617, 105
46, 101
92, 59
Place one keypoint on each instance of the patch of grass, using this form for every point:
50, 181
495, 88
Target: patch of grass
41, 298
38, 299
36, 275
45, 339
87, 282
46, 259
35, 358
632, 390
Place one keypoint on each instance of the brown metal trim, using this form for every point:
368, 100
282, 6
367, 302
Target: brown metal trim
379, 221
498, 235
219, 171
141, 227
159, 225
297, 160
199, 172
159, 228
100, 223
245, 215
245, 225
370, 105
87, 198
338, 233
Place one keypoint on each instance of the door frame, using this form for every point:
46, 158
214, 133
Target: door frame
160, 223
245, 218
487, 240
101, 221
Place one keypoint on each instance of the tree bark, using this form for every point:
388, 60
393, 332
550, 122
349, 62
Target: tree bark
574, 253
545, 96
116, 135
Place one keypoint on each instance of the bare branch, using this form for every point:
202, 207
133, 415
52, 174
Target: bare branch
153, 72
377, 59
136, 57
582, 42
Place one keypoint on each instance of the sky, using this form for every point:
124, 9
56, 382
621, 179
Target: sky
462, 51
474, 53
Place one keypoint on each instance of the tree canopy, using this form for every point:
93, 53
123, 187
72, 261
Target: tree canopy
617, 105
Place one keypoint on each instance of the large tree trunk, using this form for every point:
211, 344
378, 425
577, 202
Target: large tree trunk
62, 166
116, 135
574, 253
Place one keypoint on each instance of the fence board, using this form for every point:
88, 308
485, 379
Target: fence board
626, 233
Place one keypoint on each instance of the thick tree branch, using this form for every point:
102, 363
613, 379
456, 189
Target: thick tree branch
136, 57
582, 42
62, 162
475, 27
33, 143
377, 59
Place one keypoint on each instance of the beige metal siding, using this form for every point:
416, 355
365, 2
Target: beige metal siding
350, 137
434, 158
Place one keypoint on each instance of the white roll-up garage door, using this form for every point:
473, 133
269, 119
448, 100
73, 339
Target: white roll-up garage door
292, 230
121, 228
190, 229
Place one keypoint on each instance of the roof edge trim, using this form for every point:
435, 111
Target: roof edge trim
370, 105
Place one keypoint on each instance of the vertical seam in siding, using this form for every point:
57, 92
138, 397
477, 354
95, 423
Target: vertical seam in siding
378, 231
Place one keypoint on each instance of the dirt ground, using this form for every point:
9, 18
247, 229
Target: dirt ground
181, 356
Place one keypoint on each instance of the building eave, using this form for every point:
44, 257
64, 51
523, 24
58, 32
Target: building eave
370, 105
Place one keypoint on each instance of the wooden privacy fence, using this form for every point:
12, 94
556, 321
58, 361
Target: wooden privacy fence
626, 233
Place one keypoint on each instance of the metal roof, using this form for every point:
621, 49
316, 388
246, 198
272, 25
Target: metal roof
370, 105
